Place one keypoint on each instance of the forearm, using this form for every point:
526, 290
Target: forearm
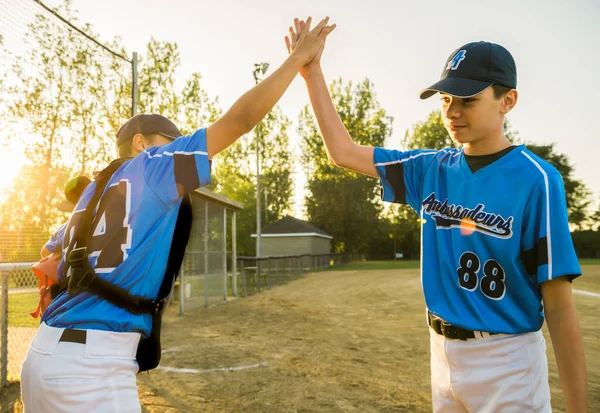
252, 106
45, 252
341, 150
335, 136
570, 359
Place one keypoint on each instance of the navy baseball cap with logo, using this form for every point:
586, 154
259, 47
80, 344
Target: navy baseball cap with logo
473, 68
147, 124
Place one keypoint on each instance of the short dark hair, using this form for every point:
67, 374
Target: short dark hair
125, 150
500, 90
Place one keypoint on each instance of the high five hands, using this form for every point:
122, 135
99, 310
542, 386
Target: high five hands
308, 44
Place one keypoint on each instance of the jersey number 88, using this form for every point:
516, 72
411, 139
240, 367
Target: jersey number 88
492, 283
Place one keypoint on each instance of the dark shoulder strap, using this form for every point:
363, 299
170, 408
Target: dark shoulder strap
181, 236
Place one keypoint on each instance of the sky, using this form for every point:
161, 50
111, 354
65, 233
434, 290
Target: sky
401, 46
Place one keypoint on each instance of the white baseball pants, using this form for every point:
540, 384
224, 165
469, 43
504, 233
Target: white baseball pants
98, 376
498, 373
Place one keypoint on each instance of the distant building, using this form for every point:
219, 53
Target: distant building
293, 236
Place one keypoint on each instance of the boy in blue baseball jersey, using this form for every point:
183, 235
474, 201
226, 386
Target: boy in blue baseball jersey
497, 255
83, 358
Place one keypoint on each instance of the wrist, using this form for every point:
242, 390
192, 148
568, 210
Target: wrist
294, 61
312, 72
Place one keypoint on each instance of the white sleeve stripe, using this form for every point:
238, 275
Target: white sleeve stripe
404, 160
548, 235
158, 155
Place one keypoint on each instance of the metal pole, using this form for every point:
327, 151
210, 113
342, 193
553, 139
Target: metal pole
244, 280
134, 85
394, 241
181, 291
206, 253
3, 327
259, 69
224, 254
234, 254
258, 211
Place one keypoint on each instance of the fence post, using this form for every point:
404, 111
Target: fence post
244, 279
224, 254
181, 291
269, 272
258, 273
206, 253
3, 327
234, 254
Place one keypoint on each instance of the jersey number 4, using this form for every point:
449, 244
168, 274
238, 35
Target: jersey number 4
111, 233
492, 283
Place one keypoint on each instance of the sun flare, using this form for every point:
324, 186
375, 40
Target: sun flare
10, 165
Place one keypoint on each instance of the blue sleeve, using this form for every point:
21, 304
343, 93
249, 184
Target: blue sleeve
401, 174
178, 168
547, 246
55, 241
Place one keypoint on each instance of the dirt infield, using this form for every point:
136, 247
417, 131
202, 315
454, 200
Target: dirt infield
339, 341
345, 341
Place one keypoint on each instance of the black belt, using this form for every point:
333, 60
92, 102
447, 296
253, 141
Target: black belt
450, 331
73, 336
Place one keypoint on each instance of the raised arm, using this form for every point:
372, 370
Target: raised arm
341, 150
252, 106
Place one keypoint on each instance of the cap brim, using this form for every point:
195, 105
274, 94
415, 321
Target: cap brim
168, 136
456, 86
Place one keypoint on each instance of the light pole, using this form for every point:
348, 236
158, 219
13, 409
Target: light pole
259, 69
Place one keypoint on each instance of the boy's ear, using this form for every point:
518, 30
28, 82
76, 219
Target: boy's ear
139, 142
509, 100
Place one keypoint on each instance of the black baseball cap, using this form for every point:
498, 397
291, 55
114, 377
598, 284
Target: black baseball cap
147, 124
473, 68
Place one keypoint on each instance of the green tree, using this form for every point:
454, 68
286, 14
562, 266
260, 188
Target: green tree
70, 97
341, 202
190, 108
235, 176
577, 194
406, 227
429, 134
595, 218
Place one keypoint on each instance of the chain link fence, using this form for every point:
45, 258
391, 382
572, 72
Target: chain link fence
257, 274
208, 262
18, 297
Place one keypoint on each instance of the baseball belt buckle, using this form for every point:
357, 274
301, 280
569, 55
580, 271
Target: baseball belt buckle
447, 330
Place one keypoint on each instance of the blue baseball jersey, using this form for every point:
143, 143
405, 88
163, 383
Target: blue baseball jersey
132, 232
55, 241
489, 238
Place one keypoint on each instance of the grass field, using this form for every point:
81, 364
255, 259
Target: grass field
349, 340
19, 307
